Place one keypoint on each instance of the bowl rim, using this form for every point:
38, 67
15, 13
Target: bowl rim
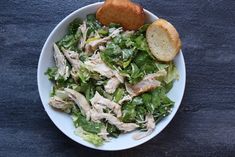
40, 90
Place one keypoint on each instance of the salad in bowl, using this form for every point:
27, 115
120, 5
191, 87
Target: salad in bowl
109, 83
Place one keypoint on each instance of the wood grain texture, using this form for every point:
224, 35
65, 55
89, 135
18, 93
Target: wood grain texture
205, 122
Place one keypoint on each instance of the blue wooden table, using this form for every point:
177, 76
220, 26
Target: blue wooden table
205, 122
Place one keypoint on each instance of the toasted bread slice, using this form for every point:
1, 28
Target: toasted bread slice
126, 13
163, 40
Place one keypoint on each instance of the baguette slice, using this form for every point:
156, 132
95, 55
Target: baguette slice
163, 40
129, 15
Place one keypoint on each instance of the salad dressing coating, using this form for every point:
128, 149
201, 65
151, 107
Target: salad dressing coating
109, 83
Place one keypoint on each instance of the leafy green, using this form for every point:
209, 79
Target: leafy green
80, 121
84, 74
142, 29
92, 24
128, 112
118, 94
114, 25
172, 73
86, 88
103, 92
103, 32
51, 73
113, 130
133, 72
69, 42
90, 137
73, 26
145, 62
129, 54
168, 86
141, 43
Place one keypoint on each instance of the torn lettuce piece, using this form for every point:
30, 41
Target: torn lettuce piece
86, 88
89, 137
73, 26
118, 94
113, 130
128, 112
133, 73
70, 42
172, 73
92, 24
84, 74
145, 62
80, 121
51, 73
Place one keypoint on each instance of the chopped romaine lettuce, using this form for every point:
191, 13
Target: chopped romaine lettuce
127, 54
89, 137
172, 73
73, 26
80, 121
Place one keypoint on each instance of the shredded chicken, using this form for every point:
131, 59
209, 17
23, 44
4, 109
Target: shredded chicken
100, 100
104, 134
125, 98
83, 29
148, 83
80, 100
128, 33
112, 85
59, 103
72, 57
126, 127
60, 61
150, 126
96, 64
118, 76
101, 48
93, 45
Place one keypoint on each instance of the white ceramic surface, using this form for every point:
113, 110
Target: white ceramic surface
63, 121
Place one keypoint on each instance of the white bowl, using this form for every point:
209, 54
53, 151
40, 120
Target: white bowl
63, 121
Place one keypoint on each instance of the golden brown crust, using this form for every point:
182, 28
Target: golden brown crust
172, 32
129, 15
172, 45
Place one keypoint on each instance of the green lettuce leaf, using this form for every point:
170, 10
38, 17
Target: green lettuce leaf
89, 137
172, 73
73, 26
80, 121
113, 130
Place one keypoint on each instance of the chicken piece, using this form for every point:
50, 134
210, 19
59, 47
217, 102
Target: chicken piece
148, 83
95, 64
130, 15
80, 100
60, 104
93, 45
101, 48
112, 85
104, 134
100, 100
118, 76
83, 29
150, 126
125, 98
157, 75
72, 57
128, 33
126, 127
61, 63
